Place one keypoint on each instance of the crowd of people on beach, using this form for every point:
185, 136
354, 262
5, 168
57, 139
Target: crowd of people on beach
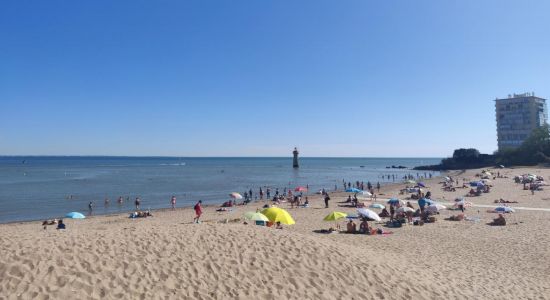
397, 212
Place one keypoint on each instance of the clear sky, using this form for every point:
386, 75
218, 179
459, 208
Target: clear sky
256, 78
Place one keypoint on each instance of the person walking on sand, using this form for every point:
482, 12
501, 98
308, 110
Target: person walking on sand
327, 198
173, 202
138, 202
198, 211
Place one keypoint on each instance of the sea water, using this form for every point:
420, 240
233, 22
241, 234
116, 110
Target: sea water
33, 188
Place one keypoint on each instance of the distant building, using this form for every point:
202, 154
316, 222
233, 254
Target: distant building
517, 116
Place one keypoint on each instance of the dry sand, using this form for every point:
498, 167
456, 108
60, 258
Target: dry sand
168, 257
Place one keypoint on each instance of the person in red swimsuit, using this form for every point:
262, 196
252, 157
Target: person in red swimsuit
198, 211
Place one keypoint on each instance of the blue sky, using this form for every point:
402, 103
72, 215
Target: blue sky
256, 78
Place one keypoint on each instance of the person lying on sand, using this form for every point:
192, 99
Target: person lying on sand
49, 222
504, 201
458, 217
279, 226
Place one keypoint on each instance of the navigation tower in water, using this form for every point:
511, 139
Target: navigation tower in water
295, 160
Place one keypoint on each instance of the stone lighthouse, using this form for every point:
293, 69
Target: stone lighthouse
295, 160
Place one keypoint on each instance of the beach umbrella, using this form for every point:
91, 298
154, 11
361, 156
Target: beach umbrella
276, 214
435, 207
75, 215
504, 209
376, 205
300, 189
353, 190
367, 213
394, 201
236, 196
335, 215
404, 209
428, 201
421, 184
255, 216
366, 193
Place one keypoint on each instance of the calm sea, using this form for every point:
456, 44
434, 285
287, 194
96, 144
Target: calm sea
34, 188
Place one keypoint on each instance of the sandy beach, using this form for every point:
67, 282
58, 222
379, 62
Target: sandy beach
168, 257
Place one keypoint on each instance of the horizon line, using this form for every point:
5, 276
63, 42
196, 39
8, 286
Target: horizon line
164, 156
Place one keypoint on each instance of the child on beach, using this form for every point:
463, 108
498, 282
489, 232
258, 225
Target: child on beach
198, 211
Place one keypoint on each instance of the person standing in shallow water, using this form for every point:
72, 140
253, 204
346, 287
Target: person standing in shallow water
90, 207
173, 202
138, 202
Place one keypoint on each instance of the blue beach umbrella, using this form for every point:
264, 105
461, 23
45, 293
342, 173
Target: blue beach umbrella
75, 215
353, 190
422, 202
428, 201
421, 184
394, 201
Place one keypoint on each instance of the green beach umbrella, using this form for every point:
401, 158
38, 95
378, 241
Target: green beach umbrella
335, 215
255, 216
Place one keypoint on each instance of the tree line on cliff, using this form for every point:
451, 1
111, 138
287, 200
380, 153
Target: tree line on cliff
533, 151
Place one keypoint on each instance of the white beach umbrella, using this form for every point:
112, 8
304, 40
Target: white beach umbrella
404, 209
435, 207
368, 214
366, 193
236, 196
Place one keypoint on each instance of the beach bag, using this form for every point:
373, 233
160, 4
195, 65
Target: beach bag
396, 224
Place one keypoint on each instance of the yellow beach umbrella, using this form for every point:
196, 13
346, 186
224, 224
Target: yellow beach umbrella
275, 214
335, 215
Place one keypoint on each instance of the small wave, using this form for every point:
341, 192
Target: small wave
176, 164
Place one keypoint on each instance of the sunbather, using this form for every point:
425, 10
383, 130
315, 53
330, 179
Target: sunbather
352, 228
499, 221
384, 213
504, 201
364, 226
60, 224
